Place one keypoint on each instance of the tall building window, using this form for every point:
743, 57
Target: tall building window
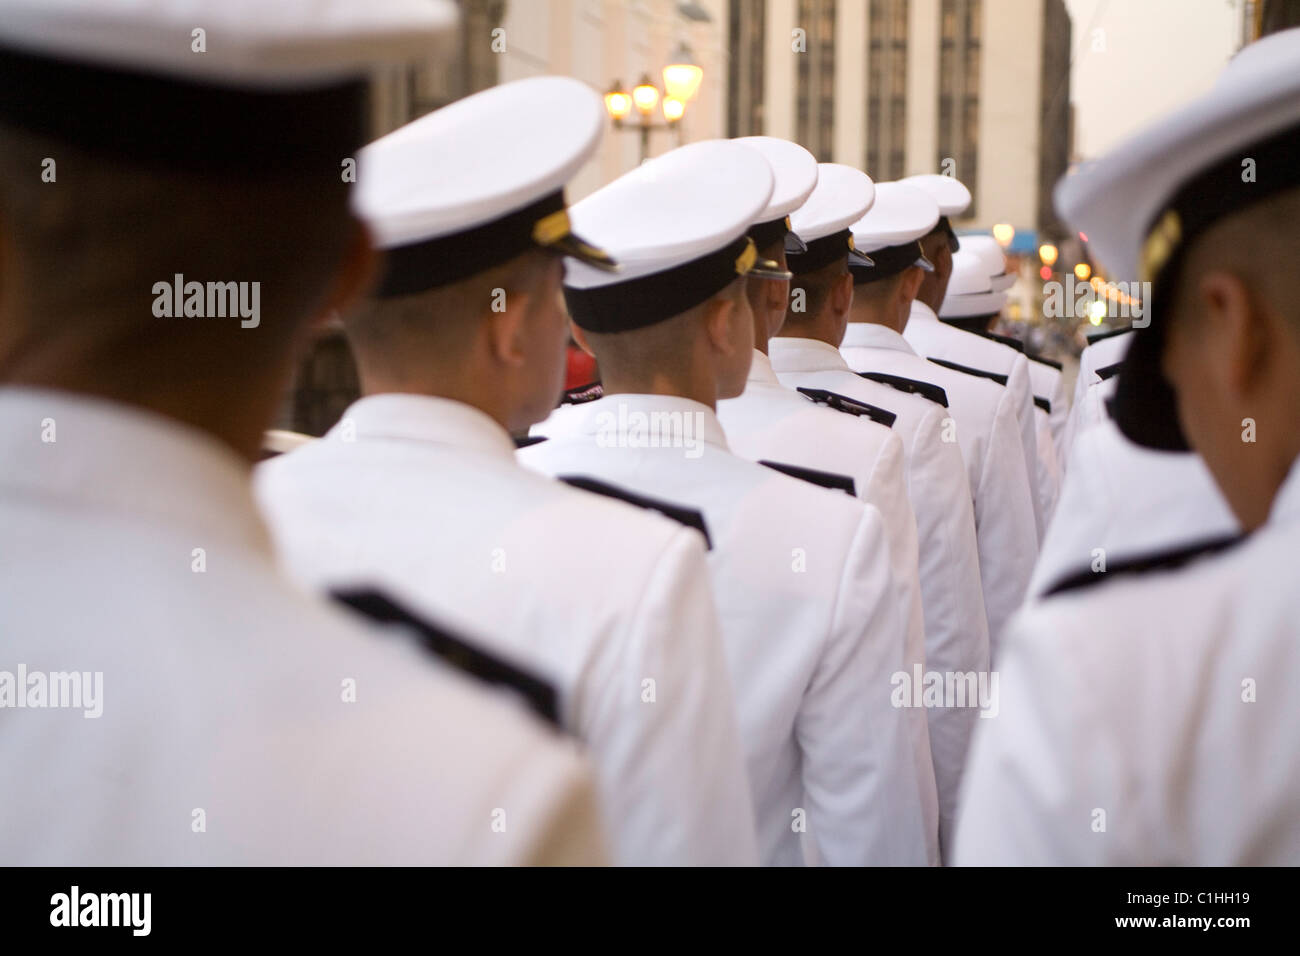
746, 35
959, 89
886, 88
815, 76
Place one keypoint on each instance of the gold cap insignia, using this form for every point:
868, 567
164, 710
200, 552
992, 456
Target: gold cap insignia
1160, 245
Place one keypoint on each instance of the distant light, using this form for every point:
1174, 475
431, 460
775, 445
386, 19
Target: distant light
618, 102
646, 96
682, 75
1096, 311
1083, 236
1045, 273
1048, 252
673, 109
1004, 233
1082, 271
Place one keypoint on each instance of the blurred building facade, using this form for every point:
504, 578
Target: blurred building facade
979, 89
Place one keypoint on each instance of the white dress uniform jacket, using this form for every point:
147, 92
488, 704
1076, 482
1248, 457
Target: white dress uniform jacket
1099, 354
988, 434
424, 495
1130, 502
1159, 704
1091, 410
956, 624
1090, 390
1049, 462
801, 575
774, 423
931, 338
222, 731
1046, 381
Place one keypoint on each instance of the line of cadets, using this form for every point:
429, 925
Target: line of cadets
749, 712
715, 625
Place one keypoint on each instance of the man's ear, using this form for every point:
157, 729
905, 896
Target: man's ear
913, 276
841, 297
352, 279
1243, 332
719, 314
776, 293
506, 330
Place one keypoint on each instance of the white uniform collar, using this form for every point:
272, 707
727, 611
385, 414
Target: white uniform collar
921, 312
111, 457
612, 412
760, 371
869, 335
1286, 506
424, 418
804, 355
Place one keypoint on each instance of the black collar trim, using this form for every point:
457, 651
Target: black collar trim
934, 393
465, 657
679, 513
993, 376
823, 479
1160, 561
851, 406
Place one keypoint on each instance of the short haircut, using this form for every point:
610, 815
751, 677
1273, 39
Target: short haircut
658, 345
1261, 244
442, 319
816, 286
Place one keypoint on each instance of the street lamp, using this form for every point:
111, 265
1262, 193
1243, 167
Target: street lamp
645, 96
682, 75
617, 102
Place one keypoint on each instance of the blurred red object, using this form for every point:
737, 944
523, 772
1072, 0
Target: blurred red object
580, 368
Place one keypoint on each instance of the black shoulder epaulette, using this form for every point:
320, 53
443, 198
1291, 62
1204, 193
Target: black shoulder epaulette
1107, 371
679, 513
825, 479
581, 394
842, 403
1043, 361
523, 441
1109, 333
1016, 344
1043, 403
933, 392
1161, 561
538, 693
995, 376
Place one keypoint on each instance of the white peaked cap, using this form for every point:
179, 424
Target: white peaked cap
1147, 201
794, 174
678, 226
901, 213
841, 197
970, 273
951, 194
995, 261
684, 204
970, 291
1117, 199
251, 43
477, 159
